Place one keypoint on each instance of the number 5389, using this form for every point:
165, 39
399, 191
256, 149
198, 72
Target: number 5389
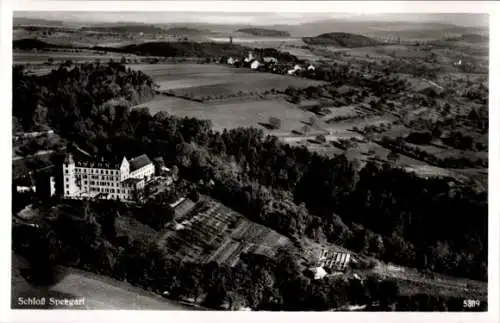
471, 303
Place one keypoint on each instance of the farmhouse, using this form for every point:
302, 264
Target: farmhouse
311, 67
295, 69
90, 178
230, 61
254, 64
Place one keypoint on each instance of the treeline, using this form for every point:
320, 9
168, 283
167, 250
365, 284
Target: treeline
257, 282
264, 32
33, 43
66, 98
182, 49
125, 29
338, 39
418, 153
209, 50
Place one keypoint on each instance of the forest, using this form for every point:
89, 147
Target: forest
258, 282
434, 224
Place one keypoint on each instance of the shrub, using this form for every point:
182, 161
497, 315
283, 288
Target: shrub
274, 122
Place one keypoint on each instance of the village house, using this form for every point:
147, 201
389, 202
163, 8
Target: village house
295, 69
255, 64
311, 68
230, 61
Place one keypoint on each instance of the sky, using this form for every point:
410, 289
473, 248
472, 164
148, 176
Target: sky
262, 18
184, 17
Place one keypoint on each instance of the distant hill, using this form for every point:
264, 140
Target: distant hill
405, 28
21, 21
123, 29
181, 49
196, 49
183, 31
31, 43
472, 38
263, 32
341, 40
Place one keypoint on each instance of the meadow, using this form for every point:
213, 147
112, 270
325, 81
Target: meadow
209, 81
232, 115
100, 292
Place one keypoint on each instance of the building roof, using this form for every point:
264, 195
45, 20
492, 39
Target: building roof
139, 162
97, 164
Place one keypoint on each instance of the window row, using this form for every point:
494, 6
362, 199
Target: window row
97, 171
104, 190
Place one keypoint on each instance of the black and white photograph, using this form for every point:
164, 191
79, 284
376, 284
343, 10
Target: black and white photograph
250, 161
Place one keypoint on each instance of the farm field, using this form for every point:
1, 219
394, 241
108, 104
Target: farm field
233, 115
202, 81
211, 231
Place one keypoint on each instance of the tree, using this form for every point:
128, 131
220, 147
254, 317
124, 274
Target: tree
274, 122
312, 121
194, 195
321, 138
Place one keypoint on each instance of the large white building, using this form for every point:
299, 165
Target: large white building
87, 178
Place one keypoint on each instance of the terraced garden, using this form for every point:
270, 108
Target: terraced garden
213, 232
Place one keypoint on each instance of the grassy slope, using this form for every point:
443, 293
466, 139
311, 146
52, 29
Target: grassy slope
101, 293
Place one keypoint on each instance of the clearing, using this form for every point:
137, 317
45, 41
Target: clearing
209, 81
233, 115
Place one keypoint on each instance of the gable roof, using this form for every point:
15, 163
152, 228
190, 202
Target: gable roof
139, 162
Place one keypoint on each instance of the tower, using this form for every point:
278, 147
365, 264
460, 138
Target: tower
70, 187
231, 40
